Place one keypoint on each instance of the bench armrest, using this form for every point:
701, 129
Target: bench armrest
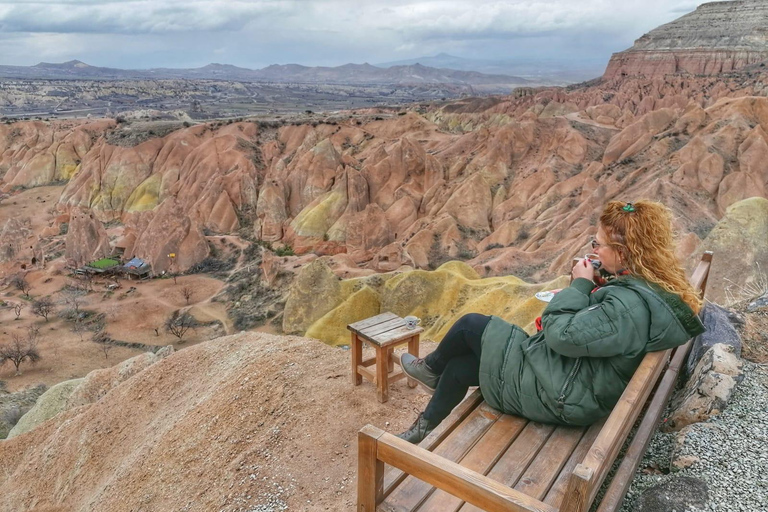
464, 483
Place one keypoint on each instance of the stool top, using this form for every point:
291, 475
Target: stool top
383, 329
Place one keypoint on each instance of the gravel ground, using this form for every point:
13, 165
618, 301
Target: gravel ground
732, 448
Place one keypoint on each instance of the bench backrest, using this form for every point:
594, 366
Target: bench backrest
590, 474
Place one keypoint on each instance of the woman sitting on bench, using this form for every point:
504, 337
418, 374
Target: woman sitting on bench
592, 338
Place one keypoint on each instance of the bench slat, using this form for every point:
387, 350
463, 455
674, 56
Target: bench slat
362, 324
436, 470
480, 458
545, 468
557, 491
518, 457
394, 477
413, 491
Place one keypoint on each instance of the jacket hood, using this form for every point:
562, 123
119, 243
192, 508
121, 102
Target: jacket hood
673, 322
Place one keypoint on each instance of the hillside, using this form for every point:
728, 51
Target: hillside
269, 423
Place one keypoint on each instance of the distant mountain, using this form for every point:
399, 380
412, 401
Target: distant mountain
554, 71
358, 74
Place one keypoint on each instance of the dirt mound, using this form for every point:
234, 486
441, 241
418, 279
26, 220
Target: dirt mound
265, 423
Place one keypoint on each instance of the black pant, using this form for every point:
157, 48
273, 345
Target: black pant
457, 360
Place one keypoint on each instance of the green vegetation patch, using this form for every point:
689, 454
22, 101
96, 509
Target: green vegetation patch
104, 263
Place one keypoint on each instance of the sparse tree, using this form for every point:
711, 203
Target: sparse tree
80, 328
178, 324
105, 348
187, 292
17, 307
18, 350
43, 307
103, 340
21, 284
73, 300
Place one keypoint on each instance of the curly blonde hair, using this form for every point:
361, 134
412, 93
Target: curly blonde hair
641, 232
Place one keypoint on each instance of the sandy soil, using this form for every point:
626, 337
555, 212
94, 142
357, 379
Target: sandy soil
133, 312
269, 424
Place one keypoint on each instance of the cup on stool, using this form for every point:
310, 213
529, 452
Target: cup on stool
411, 322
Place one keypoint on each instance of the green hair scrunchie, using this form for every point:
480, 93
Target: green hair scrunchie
629, 208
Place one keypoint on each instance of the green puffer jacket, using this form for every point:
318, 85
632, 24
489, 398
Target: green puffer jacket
574, 370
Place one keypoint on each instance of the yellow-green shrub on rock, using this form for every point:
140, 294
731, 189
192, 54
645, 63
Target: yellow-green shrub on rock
50, 403
740, 261
146, 196
332, 327
438, 297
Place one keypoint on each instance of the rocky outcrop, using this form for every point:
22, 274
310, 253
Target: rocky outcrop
741, 254
717, 37
439, 298
87, 239
709, 388
720, 330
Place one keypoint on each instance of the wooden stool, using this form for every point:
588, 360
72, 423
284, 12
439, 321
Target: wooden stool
383, 332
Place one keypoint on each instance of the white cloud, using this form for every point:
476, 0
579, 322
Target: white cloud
328, 32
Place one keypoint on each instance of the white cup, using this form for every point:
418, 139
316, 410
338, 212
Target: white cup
411, 322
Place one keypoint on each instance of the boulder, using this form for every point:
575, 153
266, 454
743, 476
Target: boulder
709, 389
51, 403
738, 242
13, 406
677, 494
719, 330
303, 308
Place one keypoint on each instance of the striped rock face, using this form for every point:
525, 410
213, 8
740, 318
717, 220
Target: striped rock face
717, 37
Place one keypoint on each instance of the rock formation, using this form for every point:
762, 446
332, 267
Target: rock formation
512, 186
717, 37
439, 298
709, 388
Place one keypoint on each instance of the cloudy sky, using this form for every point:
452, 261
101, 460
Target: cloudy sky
256, 33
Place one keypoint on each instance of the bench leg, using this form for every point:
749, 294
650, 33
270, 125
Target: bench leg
370, 470
382, 374
413, 349
356, 349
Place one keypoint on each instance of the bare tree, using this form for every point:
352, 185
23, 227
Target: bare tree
80, 328
18, 350
179, 323
102, 338
21, 284
43, 307
105, 348
73, 300
187, 292
17, 307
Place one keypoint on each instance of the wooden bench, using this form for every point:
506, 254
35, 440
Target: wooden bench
383, 332
480, 459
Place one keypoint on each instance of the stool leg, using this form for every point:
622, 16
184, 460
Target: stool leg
390, 360
382, 375
356, 348
413, 349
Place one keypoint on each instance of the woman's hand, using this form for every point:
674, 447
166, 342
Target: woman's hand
583, 268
